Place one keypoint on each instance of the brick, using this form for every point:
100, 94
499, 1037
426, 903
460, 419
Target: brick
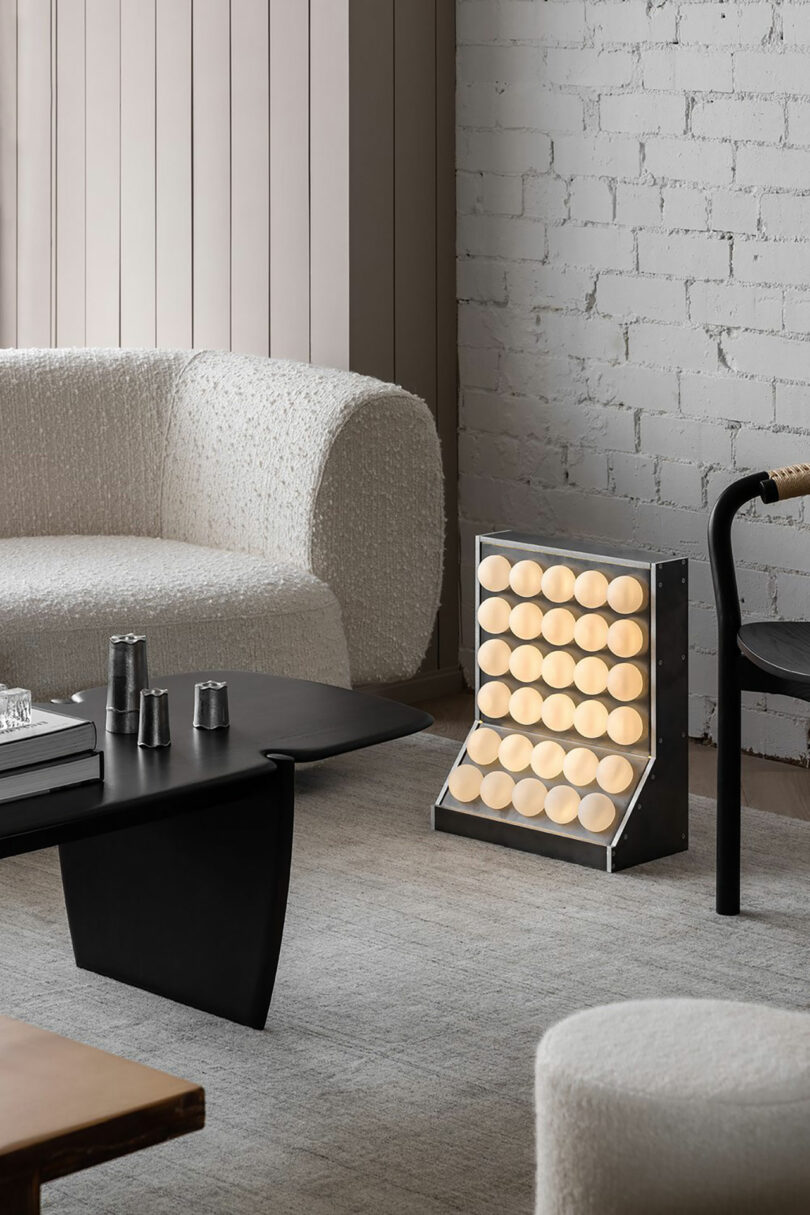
629, 297
631, 21
587, 469
773, 167
643, 113
778, 262
683, 68
734, 211
768, 355
589, 68
798, 122
477, 105
636, 387
686, 439
796, 24
785, 215
591, 199
536, 375
728, 396
672, 346
637, 205
748, 119
725, 24
792, 595
544, 197
582, 337
503, 151
734, 304
596, 156
681, 484
478, 368
529, 104
498, 63
770, 448
704, 257
530, 285
633, 475
768, 71
478, 279
604, 248
793, 406
493, 236
706, 161
797, 311
684, 207
496, 194
517, 21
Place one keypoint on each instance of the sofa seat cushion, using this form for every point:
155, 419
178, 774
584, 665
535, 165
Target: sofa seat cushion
61, 597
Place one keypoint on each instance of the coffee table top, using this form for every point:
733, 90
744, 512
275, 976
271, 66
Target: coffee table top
269, 716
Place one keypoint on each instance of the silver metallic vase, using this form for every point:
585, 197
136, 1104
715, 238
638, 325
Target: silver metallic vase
127, 674
153, 730
211, 705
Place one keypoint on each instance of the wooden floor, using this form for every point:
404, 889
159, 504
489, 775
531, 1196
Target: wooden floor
766, 783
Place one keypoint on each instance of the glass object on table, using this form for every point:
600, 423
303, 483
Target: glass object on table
15, 707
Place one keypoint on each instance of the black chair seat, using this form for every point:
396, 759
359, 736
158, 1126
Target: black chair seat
780, 647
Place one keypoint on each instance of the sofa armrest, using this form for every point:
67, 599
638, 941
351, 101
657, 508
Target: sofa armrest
334, 471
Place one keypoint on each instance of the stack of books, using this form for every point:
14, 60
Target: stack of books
52, 751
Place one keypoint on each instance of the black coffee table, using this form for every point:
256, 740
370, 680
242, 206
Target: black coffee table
176, 869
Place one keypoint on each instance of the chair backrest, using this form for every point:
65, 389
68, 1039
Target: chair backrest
81, 440
773, 486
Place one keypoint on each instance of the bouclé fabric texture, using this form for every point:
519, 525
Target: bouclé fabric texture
252, 513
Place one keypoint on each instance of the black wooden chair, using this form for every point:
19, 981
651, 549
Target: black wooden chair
767, 656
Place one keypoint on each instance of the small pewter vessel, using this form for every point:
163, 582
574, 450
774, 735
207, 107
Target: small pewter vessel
127, 674
211, 705
153, 730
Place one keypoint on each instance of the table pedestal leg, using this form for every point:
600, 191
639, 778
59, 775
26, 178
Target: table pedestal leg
190, 906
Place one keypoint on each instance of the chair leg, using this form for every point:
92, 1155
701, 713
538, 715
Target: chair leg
728, 796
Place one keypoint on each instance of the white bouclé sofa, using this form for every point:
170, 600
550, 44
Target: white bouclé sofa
244, 513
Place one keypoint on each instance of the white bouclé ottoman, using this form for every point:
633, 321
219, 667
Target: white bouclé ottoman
658, 1107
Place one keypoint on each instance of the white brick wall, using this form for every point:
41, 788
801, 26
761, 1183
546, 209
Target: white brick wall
634, 284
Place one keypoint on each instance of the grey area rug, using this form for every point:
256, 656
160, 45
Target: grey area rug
417, 974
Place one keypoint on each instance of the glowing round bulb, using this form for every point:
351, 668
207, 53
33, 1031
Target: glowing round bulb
526, 621
562, 803
547, 759
493, 657
625, 639
591, 719
493, 615
493, 699
496, 790
526, 706
482, 746
528, 797
464, 782
591, 676
558, 626
580, 766
558, 669
526, 578
558, 712
614, 774
591, 632
625, 681
493, 573
596, 812
558, 583
625, 594
625, 726
515, 752
526, 663
590, 589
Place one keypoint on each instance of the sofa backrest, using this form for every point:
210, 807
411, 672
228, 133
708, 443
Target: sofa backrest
81, 440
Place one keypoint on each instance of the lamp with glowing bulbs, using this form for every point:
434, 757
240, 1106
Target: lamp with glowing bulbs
579, 747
